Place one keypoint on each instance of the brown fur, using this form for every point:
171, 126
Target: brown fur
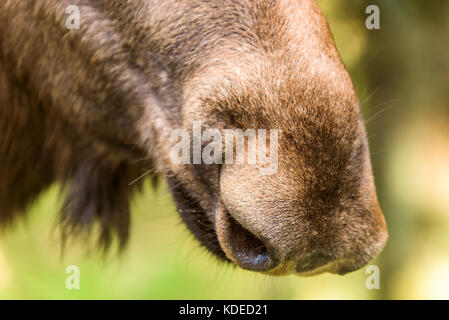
81, 106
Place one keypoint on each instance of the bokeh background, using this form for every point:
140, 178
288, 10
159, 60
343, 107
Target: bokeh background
401, 74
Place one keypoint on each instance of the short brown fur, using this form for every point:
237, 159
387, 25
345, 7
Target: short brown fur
92, 107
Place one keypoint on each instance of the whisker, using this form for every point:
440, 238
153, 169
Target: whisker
140, 177
139, 160
380, 111
367, 98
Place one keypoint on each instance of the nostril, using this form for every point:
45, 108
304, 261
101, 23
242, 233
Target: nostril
243, 247
247, 248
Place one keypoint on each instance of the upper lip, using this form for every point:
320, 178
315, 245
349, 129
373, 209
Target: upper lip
313, 261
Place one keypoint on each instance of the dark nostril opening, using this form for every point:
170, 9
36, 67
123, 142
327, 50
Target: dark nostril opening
249, 251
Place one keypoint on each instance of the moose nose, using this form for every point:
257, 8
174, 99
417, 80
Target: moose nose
249, 252
242, 246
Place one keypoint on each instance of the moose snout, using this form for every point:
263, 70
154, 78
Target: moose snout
278, 251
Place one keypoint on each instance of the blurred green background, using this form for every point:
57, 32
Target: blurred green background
401, 73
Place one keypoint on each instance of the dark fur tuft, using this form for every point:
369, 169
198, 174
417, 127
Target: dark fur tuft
98, 195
